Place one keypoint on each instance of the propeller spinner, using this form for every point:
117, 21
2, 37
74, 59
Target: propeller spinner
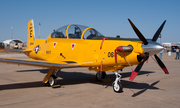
150, 47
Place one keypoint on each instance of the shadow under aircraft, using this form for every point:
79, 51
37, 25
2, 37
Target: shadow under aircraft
72, 78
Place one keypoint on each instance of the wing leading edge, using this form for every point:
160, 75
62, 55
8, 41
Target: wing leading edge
37, 63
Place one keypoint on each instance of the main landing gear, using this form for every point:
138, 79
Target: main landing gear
100, 76
52, 81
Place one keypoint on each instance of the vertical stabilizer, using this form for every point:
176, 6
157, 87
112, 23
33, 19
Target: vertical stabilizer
30, 34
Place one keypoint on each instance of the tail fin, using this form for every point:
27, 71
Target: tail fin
31, 34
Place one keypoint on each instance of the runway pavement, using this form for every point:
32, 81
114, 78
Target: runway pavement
22, 87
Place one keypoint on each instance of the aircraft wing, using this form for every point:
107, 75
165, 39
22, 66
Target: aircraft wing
16, 51
63, 64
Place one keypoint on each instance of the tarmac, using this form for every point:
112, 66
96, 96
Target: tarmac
22, 87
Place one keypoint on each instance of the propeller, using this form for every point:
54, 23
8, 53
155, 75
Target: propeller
138, 68
141, 37
158, 32
161, 64
150, 47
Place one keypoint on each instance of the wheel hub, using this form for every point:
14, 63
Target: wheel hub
51, 81
116, 87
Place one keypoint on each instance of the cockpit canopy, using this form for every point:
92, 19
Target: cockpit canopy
73, 31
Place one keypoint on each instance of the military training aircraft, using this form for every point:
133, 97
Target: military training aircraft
74, 46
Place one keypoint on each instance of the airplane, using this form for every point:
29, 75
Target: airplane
74, 46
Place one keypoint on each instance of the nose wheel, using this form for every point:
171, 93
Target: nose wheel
117, 86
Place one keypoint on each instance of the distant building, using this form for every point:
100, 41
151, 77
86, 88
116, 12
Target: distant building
14, 44
1, 45
167, 44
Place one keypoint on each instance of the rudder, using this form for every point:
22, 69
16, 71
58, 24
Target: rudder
31, 34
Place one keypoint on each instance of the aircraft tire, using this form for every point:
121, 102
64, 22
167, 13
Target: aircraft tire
119, 88
99, 76
52, 80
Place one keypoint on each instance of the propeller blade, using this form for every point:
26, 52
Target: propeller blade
138, 33
158, 32
138, 68
161, 64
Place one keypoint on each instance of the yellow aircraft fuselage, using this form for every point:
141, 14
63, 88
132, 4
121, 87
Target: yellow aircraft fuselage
90, 53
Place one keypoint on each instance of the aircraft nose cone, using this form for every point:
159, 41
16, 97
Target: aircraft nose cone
152, 48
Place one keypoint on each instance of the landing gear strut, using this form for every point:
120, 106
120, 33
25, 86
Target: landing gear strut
117, 86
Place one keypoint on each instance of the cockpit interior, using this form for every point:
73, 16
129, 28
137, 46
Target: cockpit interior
73, 31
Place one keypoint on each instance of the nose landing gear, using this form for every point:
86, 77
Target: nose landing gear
117, 86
